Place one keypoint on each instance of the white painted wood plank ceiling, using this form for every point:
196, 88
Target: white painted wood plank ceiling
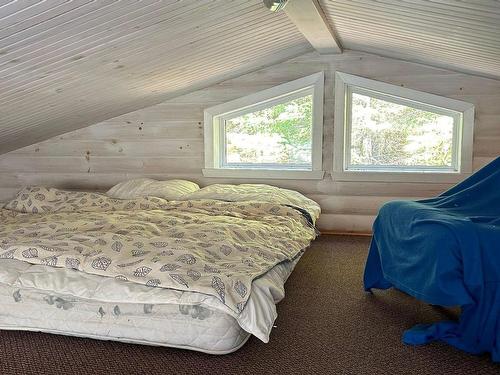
68, 64
463, 35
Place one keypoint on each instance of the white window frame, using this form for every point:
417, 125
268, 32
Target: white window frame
462, 113
214, 119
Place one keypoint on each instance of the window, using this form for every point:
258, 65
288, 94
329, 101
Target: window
275, 133
386, 132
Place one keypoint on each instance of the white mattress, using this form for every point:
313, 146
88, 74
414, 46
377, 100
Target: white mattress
64, 301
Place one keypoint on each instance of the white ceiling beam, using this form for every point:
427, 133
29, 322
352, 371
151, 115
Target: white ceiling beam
309, 18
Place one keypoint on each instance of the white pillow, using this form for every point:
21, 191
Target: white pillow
146, 187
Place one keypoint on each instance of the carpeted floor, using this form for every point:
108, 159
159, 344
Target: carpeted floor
326, 325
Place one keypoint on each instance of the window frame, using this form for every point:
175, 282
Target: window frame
461, 112
214, 122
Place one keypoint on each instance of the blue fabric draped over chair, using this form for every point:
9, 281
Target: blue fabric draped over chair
446, 251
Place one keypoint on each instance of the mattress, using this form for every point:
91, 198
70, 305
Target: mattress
202, 273
64, 301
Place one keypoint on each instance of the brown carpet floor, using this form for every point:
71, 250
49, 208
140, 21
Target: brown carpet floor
326, 325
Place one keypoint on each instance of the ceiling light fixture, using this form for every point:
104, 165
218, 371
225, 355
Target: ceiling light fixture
275, 5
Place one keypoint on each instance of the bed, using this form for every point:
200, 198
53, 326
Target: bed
446, 251
203, 271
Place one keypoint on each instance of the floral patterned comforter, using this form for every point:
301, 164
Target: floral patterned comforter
203, 245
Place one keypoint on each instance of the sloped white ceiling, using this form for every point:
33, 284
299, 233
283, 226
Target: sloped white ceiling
68, 64
462, 35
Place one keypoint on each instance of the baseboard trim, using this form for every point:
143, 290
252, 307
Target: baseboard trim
339, 233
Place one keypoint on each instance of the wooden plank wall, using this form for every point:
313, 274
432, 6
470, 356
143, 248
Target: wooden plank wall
166, 140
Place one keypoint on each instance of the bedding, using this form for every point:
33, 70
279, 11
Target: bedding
445, 251
147, 187
197, 327
257, 192
208, 248
60, 300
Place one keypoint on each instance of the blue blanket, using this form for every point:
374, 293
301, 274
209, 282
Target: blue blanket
446, 251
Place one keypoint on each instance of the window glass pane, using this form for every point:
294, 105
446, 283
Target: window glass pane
280, 135
392, 135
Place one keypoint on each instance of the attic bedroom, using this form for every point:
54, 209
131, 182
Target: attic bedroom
246, 187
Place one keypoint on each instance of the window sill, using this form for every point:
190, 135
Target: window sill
413, 177
263, 174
